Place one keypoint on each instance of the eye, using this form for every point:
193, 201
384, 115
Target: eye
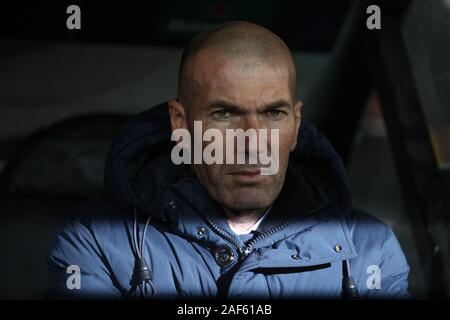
221, 114
275, 114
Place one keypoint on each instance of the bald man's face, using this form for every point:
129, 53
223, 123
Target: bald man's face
239, 94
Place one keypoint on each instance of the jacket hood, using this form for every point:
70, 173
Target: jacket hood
138, 166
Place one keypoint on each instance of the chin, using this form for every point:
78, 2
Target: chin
244, 200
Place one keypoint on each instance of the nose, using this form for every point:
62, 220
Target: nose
250, 121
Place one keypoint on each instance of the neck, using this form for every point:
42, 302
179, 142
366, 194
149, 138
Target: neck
243, 220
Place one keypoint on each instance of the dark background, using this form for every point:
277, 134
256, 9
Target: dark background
382, 97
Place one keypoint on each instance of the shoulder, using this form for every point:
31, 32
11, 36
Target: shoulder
101, 225
91, 227
370, 234
362, 223
379, 251
86, 240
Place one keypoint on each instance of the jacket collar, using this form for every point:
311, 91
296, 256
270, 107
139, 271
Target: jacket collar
321, 223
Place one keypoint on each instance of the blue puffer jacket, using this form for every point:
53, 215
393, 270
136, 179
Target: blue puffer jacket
301, 249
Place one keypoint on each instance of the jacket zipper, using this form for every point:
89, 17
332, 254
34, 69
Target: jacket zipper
245, 250
215, 228
248, 248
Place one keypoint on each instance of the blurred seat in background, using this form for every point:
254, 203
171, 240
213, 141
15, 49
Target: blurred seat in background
51, 172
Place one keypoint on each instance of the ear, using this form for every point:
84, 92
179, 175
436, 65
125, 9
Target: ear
298, 119
177, 115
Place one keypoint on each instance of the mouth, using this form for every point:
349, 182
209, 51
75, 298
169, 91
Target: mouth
247, 175
246, 172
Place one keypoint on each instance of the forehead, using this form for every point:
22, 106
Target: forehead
247, 81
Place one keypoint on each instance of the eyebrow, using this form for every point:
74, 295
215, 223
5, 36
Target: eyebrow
232, 107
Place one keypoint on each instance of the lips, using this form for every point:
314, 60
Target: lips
247, 176
254, 172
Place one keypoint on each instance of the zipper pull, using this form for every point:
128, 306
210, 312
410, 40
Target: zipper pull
246, 251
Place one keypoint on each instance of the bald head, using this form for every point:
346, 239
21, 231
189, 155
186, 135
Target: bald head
246, 44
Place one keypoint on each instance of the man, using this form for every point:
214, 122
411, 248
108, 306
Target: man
224, 230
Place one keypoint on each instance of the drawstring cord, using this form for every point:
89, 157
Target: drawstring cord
349, 289
141, 275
